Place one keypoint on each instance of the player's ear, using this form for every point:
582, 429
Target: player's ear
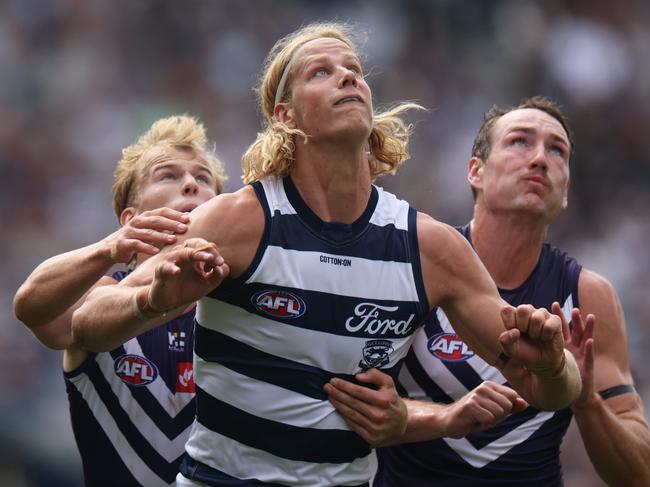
126, 215
282, 112
475, 172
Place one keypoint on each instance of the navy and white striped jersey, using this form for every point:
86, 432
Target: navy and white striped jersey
523, 449
320, 300
132, 408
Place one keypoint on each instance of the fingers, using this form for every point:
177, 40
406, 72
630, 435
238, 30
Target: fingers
377, 378
557, 310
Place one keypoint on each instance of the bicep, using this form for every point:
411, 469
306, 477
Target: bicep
457, 281
598, 297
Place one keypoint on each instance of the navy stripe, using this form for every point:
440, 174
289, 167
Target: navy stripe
290, 232
282, 440
423, 380
171, 426
414, 257
482, 438
324, 314
334, 233
213, 346
165, 470
194, 470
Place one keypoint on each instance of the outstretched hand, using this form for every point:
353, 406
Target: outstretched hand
378, 415
186, 274
533, 337
145, 233
580, 342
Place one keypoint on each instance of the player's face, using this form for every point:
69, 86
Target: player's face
329, 96
176, 179
528, 165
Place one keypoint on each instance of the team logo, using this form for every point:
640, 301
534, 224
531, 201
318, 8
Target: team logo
135, 370
279, 304
184, 377
376, 353
176, 341
449, 347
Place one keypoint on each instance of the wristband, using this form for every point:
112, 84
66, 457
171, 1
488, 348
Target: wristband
617, 391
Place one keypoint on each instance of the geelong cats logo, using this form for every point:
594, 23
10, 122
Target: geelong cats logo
376, 353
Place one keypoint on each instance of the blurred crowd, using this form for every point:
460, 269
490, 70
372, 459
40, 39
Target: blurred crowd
79, 79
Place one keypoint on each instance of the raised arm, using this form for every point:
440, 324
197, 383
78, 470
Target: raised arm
609, 412
539, 368
46, 300
172, 280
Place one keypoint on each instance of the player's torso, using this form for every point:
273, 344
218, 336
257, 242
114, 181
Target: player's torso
320, 300
132, 408
441, 367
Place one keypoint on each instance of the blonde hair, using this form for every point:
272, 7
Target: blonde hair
272, 153
180, 131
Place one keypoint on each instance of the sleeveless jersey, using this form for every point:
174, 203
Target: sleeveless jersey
132, 408
320, 300
524, 448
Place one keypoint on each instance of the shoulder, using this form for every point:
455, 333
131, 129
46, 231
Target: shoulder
598, 297
234, 222
439, 241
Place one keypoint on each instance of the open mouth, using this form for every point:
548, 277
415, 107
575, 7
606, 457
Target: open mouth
349, 99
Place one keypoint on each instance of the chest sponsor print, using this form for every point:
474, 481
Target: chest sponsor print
135, 370
449, 347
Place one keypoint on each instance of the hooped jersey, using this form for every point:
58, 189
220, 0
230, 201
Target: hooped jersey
320, 300
523, 449
132, 408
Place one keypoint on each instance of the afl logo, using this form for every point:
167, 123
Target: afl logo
449, 347
279, 304
135, 370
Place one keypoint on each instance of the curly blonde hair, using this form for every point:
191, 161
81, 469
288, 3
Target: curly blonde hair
180, 131
272, 153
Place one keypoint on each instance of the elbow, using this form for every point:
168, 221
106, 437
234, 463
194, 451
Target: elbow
21, 306
78, 330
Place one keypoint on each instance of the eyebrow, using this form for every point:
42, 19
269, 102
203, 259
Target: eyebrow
322, 57
172, 164
532, 131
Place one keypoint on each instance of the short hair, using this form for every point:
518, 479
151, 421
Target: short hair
482, 145
272, 153
179, 131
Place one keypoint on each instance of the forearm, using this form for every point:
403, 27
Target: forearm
58, 283
547, 391
618, 445
425, 421
109, 318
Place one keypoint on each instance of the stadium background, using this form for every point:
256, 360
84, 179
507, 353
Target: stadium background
79, 79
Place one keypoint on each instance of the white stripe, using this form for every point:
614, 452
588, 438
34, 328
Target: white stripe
168, 449
334, 353
390, 211
478, 458
364, 278
413, 390
139, 469
244, 462
278, 404
171, 402
276, 197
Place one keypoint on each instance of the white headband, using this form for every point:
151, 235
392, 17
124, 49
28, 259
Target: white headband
285, 74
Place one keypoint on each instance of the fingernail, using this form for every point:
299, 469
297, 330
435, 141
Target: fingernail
181, 227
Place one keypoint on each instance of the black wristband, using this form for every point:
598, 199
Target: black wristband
617, 391
502, 360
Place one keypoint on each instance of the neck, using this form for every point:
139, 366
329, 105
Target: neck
332, 179
509, 245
